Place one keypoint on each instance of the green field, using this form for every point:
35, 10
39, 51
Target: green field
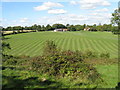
31, 44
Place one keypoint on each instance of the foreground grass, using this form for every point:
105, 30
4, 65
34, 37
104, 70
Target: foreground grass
29, 79
109, 74
32, 44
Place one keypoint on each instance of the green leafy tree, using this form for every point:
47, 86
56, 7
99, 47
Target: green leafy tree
18, 28
67, 25
116, 17
39, 27
99, 28
72, 28
48, 28
84, 25
34, 27
115, 20
43, 28
107, 27
79, 27
57, 26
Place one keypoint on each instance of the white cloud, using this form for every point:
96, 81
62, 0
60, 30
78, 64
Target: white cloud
102, 10
39, 8
23, 20
99, 17
64, 19
56, 11
92, 18
47, 5
91, 4
105, 3
78, 19
73, 2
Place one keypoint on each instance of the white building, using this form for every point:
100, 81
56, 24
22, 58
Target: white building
60, 30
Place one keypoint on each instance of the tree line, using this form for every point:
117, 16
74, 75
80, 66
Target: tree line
35, 27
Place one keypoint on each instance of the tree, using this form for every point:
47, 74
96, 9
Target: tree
79, 27
57, 26
43, 28
99, 28
39, 28
18, 28
48, 27
67, 25
115, 20
116, 17
72, 28
34, 27
84, 25
107, 27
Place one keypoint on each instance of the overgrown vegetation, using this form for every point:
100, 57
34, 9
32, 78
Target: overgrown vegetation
63, 63
54, 69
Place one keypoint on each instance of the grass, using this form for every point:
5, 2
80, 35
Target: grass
109, 74
29, 79
32, 44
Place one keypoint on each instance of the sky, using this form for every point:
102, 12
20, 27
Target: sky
43, 12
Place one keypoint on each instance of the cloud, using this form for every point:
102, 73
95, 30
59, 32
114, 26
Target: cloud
90, 19
24, 20
63, 18
101, 10
91, 4
77, 19
99, 17
56, 11
47, 5
73, 2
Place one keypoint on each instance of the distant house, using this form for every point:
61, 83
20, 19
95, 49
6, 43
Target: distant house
60, 30
87, 29
64, 30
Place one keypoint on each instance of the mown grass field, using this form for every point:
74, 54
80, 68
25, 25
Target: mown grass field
32, 44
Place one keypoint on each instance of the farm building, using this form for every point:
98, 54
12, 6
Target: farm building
87, 29
60, 30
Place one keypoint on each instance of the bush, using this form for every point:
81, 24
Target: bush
50, 48
90, 54
63, 63
11, 62
105, 55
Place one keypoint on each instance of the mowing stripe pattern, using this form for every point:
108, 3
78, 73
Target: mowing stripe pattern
32, 44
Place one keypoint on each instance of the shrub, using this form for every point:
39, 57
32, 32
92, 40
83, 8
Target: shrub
105, 55
55, 62
11, 62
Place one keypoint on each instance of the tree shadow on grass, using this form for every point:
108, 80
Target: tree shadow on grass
15, 83
118, 86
